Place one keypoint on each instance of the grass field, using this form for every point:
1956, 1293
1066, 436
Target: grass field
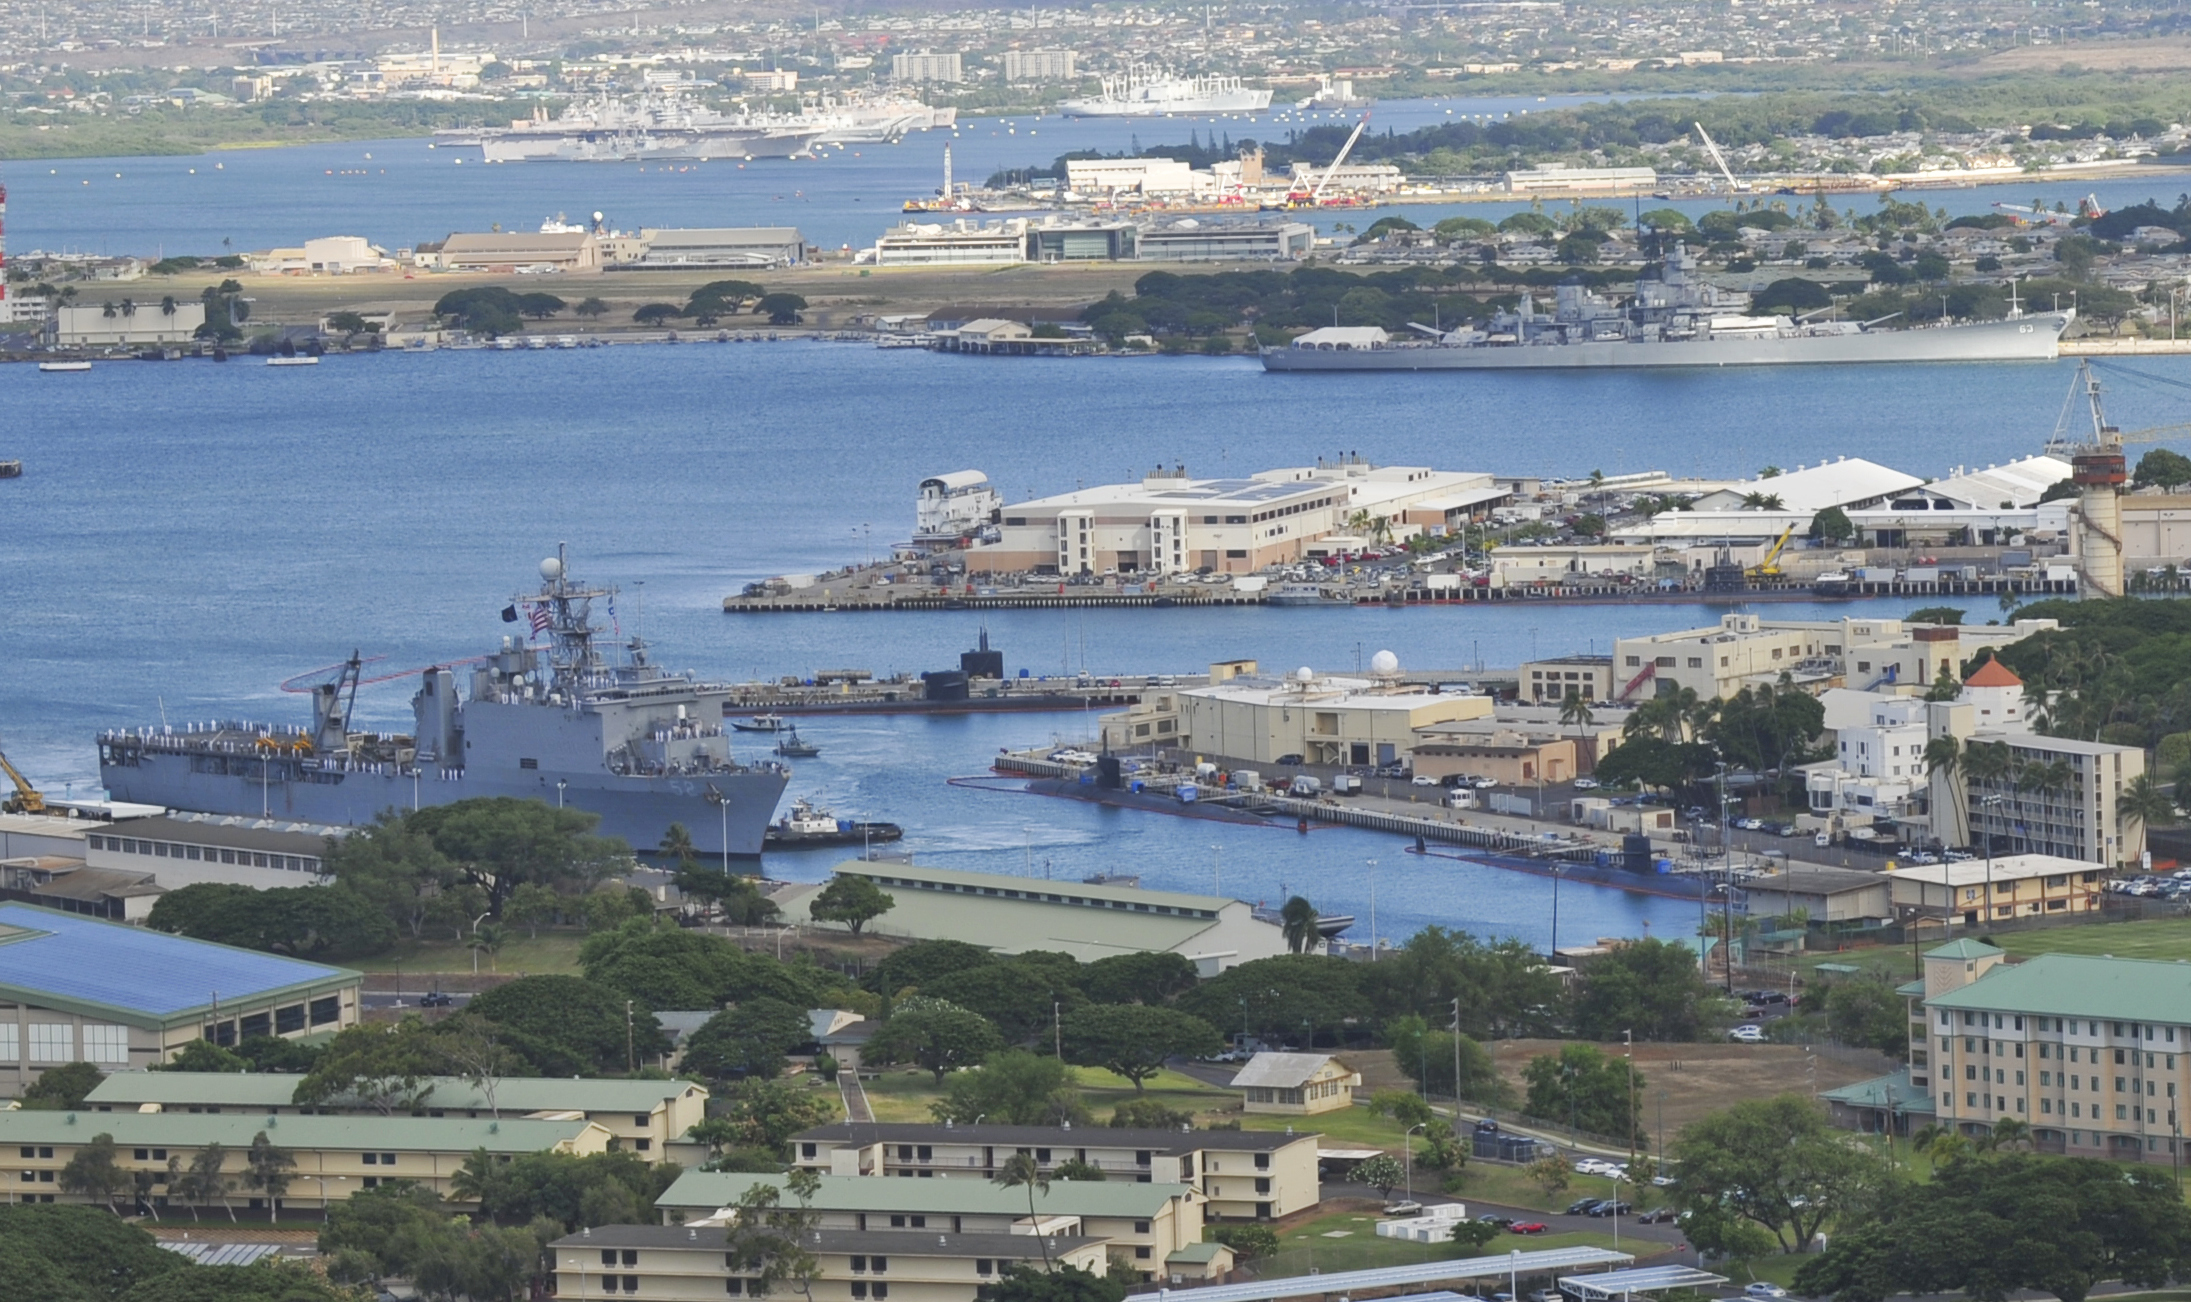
902, 1095
555, 953
2166, 939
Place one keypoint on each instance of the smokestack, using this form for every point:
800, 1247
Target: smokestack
437, 50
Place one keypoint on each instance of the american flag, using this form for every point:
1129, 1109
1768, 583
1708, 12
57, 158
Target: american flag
540, 617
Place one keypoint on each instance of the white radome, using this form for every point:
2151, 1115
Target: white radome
1384, 662
1304, 675
551, 568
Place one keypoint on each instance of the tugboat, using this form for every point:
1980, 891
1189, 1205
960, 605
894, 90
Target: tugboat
760, 723
792, 748
809, 825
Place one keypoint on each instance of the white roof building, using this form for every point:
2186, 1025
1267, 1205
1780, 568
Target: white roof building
1849, 482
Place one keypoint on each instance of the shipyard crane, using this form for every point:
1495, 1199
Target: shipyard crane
1316, 196
1769, 567
1719, 158
27, 799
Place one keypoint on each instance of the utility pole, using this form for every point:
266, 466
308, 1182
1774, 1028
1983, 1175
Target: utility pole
631, 1056
1456, 1068
1628, 1037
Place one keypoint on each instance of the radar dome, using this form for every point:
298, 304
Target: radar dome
551, 568
1304, 675
1384, 662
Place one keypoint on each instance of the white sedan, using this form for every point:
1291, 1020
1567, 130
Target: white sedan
1422, 781
1762, 1289
1747, 1035
1586, 784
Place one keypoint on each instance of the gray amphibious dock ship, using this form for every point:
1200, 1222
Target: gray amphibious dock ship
553, 719
1672, 320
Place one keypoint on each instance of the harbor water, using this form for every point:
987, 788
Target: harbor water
186, 536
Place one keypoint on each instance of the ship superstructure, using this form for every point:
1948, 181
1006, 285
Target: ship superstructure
1144, 91
1672, 319
552, 717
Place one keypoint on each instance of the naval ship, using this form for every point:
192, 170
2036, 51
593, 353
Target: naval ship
1673, 319
611, 130
1150, 92
547, 718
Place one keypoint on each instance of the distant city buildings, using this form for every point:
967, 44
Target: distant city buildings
1039, 65
926, 67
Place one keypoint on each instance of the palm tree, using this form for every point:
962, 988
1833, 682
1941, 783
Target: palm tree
1020, 1170
129, 307
1944, 765
1986, 763
1300, 918
2008, 1132
2145, 803
2045, 781
1575, 711
1762, 501
677, 845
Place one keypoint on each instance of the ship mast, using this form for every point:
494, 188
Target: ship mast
569, 606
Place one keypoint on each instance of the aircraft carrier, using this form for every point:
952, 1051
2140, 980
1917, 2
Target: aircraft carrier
548, 717
1149, 92
1672, 320
611, 130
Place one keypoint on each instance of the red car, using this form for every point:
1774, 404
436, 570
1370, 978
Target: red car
1527, 1227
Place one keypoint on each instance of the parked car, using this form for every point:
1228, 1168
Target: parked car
1526, 1227
1586, 784
1747, 1035
435, 999
1656, 1216
1611, 1207
1290, 761
1582, 1206
1403, 1209
1492, 1218
1422, 780
1764, 1290
1487, 1127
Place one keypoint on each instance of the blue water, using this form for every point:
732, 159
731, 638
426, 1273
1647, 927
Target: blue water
188, 535
398, 193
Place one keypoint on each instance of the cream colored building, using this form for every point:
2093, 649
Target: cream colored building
649, 1117
335, 1157
1140, 1225
507, 251
694, 1262
1978, 892
124, 323
1168, 523
2156, 530
1508, 756
1746, 651
1296, 1084
1328, 720
1245, 1174
1553, 681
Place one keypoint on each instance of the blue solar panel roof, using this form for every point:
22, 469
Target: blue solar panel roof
133, 970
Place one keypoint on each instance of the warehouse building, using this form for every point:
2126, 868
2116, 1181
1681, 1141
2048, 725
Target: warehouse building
509, 251
183, 849
746, 247
73, 989
1321, 720
1169, 523
1089, 920
124, 324
1245, 1174
1191, 239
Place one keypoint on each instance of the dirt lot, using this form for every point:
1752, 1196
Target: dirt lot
1696, 1078
2163, 55
835, 292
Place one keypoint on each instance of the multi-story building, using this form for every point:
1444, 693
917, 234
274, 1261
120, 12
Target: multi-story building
1979, 891
2091, 1053
334, 1157
1256, 719
649, 1117
1168, 523
926, 67
1748, 651
703, 1262
1039, 65
1244, 1174
1142, 1225
75, 989
1553, 681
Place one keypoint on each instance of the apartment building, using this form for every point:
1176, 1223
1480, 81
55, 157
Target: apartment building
1142, 1225
701, 1261
1039, 65
334, 1157
1242, 1174
2092, 1053
926, 66
76, 989
649, 1117
1747, 651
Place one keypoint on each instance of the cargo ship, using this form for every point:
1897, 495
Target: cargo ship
1144, 92
1672, 319
553, 718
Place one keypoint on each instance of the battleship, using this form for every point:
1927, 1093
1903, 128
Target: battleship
611, 130
1149, 92
552, 718
1672, 320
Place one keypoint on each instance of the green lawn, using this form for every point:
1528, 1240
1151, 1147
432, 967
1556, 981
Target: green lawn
900, 1094
554, 953
2156, 938
1348, 1241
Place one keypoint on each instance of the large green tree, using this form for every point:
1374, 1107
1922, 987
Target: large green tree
565, 1024
1015, 1088
57, 1252
1145, 977
1134, 1040
750, 1039
939, 1037
852, 900
1992, 1226
1281, 996
498, 843
1427, 1057
1504, 988
1022, 997
1582, 1087
1775, 1163
1652, 988
1064, 1284
316, 922
913, 966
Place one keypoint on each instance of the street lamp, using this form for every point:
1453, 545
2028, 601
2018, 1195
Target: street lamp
1372, 909
475, 936
1407, 1151
559, 785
